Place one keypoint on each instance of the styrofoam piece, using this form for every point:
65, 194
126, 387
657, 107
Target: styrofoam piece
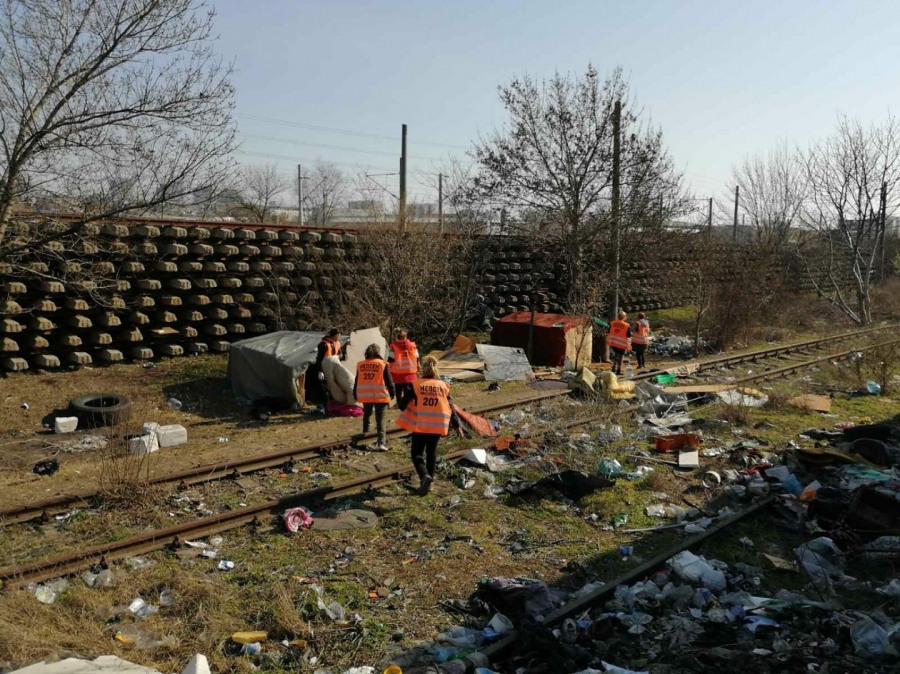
144, 444
105, 664
65, 424
171, 435
478, 456
149, 427
198, 665
360, 340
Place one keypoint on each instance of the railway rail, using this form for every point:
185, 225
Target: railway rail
72, 562
731, 360
45, 509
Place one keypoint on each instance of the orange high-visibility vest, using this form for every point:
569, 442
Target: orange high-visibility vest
405, 361
370, 386
430, 411
332, 348
640, 333
618, 335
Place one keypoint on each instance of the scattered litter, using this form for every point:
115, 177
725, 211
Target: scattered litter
225, 565
83, 443
222, 439
46, 467
245, 638
296, 519
65, 425
141, 609
139, 563
135, 635
689, 459
333, 610
711, 479
812, 402
754, 622
46, 593
97, 580
476, 456
174, 403
892, 589
613, 669
871, 640
743, 398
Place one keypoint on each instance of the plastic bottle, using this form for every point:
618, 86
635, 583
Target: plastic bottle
444, 653
629, 371
252, 649
569, 631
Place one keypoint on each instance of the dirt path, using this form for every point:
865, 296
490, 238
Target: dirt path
209, 413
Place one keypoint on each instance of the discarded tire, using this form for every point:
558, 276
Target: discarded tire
101, 409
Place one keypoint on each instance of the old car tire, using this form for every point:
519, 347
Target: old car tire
101, 409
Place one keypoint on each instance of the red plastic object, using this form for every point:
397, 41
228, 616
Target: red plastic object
674, 443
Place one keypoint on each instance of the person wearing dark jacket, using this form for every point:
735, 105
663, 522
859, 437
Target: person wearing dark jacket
374, 388
429, 416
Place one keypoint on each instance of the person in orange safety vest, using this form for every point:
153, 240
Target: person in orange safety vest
429, 415
404, 363
619, 340
640, 338
374, 388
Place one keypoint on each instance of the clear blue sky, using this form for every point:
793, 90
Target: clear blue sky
722, 78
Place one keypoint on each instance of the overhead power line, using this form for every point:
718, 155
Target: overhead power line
330, 147
301, 160
358, 134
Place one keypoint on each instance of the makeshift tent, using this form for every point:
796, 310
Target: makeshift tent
269, 366
557, 338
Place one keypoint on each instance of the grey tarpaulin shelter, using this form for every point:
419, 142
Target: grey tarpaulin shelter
269, 366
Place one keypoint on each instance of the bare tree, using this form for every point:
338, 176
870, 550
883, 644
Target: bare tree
261, 188
553, 163
109, 106
324, 191
771, 190
854, 180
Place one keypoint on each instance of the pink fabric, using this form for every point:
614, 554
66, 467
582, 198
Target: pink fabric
333, 409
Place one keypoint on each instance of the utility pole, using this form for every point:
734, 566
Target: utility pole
300, 180
737, 195
709, 217
883, 226
617, 235
441, 202
403, 180
324, 204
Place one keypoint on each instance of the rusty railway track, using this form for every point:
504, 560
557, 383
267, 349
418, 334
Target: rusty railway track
44, 509
171, 537
78, 560
731, 360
